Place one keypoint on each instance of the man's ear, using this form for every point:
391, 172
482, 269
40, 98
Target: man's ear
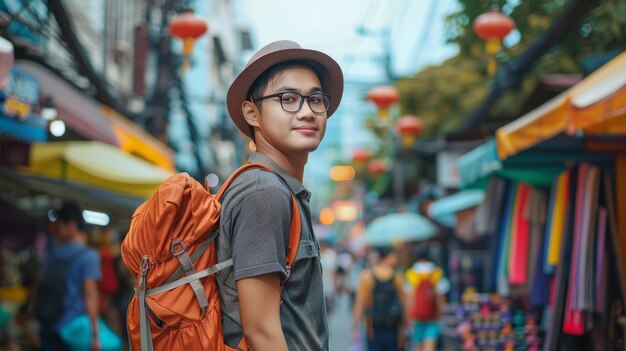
250, 113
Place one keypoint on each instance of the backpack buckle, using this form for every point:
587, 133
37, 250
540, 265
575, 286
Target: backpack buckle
144, 265
178, 248
288, 273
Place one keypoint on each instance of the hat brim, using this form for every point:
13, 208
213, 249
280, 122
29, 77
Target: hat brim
238, 91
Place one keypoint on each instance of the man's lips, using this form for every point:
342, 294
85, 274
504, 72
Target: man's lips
306, 129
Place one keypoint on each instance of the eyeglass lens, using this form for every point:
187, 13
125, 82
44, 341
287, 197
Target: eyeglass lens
292, 102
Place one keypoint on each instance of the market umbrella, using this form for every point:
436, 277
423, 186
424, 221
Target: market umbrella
397, 227
454, 203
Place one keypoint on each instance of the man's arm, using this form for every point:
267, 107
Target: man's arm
91, 307
259, 303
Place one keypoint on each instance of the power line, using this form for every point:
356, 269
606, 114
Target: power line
426, 31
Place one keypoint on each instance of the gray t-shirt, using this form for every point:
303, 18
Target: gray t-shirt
254, 231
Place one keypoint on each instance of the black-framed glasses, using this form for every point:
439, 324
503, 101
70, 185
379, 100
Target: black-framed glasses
292, 101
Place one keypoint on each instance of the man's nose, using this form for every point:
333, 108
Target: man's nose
305, 110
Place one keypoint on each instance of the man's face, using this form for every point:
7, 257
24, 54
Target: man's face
300, 131
64, 230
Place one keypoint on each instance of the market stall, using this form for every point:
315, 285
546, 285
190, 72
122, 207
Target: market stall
554, 185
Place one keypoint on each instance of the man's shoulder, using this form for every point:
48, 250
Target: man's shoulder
255, 180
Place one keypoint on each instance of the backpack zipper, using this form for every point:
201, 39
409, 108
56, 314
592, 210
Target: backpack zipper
153, 316
145, 267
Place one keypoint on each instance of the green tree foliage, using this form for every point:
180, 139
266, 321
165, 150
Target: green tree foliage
445, 94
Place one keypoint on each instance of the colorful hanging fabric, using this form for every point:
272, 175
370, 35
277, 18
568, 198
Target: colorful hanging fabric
520, 231
497, 244
591, 186
537, 208
601, 264
558, 219
579, 295
502, 283
540, 286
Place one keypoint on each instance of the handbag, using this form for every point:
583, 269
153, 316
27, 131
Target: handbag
77, 335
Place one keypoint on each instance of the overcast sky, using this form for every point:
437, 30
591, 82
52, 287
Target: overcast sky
416, 30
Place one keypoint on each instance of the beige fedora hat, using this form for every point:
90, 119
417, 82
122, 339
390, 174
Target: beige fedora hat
270, 55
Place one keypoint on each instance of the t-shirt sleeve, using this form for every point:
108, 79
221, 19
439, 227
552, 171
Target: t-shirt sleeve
91, 266
260, 232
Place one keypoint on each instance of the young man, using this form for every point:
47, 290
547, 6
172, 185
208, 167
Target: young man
81, 267
281, 101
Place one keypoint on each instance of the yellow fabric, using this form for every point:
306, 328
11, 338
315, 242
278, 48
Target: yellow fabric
598, 98
135, 140
414, 278
98, 165
558, 219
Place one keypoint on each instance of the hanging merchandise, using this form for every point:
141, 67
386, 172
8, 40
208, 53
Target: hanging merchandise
490, 322
502, 285
557, 220
519, 239
579, 297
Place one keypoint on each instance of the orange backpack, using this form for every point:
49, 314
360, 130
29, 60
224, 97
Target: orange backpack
171, 248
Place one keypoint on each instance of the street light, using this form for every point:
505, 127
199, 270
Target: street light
188, 27
493, 26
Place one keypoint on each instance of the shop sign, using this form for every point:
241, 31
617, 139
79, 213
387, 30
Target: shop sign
22, 94
447, 170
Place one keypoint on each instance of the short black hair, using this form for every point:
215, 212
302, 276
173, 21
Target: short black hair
383, 251
71, 212
259, 85
421, 253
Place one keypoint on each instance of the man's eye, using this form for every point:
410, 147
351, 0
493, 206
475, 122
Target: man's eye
315, 99
289, 98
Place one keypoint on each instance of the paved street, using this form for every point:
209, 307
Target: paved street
340, 325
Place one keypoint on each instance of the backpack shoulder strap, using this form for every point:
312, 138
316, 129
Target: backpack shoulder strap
295, 228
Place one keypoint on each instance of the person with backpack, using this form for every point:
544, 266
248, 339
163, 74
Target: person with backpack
380, 303
68, 286
281, 101
426, 287
240, 269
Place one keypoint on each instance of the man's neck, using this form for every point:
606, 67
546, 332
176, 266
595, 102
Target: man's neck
294, 164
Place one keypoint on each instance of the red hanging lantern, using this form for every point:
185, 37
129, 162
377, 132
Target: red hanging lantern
376, 167
187, 27
408, 127
383, 97
359, 158
493, 26
360, 155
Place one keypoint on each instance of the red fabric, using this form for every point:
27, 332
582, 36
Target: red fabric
518, 267
573, 321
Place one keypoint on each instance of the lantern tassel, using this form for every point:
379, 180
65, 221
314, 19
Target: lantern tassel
493, 47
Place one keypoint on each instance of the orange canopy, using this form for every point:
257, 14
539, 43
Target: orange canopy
596, 105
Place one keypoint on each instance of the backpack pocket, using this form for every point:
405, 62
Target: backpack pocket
176, 321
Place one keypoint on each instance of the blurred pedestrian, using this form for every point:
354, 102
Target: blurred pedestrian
69, 284
379, 303
344, 264
427, 286
328, 257
281, 101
